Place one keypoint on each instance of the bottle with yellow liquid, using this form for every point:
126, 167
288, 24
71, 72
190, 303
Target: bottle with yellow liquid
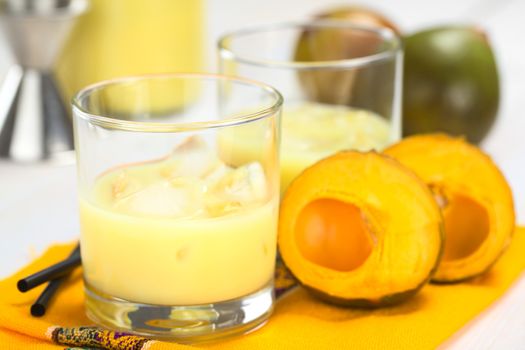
129, 37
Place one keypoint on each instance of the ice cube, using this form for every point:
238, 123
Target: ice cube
257, 180
191, 182
217, 174
244, 185
123, 185
218, 205
176, 198
192, 158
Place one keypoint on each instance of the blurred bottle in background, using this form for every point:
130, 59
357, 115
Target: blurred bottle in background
129, 37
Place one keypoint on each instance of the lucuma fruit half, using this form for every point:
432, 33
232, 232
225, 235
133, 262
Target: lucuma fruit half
359, 229
474, 197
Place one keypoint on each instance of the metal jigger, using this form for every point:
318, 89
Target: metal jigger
34, 123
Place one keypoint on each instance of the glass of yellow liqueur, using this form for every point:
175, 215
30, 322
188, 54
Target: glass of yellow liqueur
177, 241
341, 84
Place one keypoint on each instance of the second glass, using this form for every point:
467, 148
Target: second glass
341, 84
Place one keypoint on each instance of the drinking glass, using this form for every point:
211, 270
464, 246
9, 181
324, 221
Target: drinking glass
341, 84
178, 230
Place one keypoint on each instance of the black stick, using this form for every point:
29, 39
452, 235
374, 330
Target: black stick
39, 307
51, 273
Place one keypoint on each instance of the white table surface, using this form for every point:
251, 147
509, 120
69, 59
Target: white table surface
38, 201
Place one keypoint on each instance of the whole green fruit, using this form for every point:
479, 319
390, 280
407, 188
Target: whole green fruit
450, 82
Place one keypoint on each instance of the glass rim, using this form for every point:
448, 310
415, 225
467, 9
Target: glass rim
140, 126
386, 34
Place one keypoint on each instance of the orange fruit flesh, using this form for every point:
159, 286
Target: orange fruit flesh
333, 234
466, 227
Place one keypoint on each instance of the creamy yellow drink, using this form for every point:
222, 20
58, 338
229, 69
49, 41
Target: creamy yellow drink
310, 132
184, 230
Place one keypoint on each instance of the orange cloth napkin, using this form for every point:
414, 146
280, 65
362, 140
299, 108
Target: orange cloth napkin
299, 321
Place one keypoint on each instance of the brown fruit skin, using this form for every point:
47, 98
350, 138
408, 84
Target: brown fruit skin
386, 301
360, 16
467, 278
451, 83
364, 87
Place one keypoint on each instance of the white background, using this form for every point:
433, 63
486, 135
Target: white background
38, 202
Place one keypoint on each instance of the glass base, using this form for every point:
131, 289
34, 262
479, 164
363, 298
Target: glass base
183, 324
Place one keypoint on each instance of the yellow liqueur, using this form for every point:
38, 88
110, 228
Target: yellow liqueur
311, 132
184, 230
